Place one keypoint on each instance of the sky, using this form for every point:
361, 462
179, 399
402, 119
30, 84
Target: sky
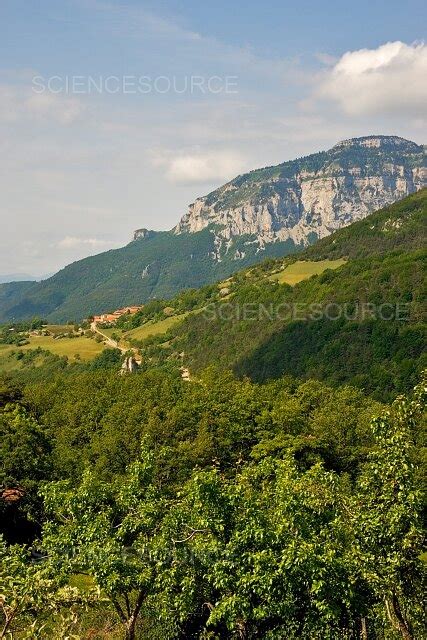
116, 115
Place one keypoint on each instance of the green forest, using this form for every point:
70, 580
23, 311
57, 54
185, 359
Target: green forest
373, 338
161, 264
276, 492
149, 507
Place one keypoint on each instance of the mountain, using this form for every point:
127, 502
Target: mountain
17, 277
269, 212
311, 197
11, 293
375, 339
157, 266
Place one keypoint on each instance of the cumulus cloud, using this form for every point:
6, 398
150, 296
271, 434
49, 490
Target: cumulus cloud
389, 79
198, 168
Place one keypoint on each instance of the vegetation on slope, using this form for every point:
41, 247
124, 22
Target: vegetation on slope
163, 263
281, 506
35, 350
374, 339
221, 508
377, 262
400, 226
157, 266
303, 269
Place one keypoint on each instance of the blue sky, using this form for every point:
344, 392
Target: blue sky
80, 170
47, 33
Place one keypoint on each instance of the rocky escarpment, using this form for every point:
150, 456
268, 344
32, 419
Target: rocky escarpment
270, 212
143, 234
311, 197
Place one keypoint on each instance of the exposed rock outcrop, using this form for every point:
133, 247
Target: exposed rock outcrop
309, 198
142, 234
129, 365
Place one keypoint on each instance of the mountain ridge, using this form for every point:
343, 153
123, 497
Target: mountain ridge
311, 196
275, 211
384, 269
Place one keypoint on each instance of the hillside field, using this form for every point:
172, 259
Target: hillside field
304, 269
86, 348
153, 329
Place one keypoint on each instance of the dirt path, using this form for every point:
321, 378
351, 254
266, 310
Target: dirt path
108, 341
185, 374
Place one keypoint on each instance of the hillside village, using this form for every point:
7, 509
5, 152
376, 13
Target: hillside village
213, 336
115, 315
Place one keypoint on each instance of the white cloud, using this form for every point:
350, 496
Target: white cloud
72, 242
389, 79
62, 109
201, 167
20, 103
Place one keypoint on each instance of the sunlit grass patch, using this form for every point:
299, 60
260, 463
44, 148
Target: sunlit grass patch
85, 347
153, 328
57, 329
303, 269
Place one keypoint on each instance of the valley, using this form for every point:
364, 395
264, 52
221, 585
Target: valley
213, 405
266, 213
210, 424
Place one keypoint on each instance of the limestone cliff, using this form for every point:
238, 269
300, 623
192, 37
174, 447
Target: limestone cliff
143, 234
311, 197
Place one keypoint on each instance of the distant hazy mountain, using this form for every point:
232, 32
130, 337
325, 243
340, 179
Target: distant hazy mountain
17, 277
23, 277
268, 212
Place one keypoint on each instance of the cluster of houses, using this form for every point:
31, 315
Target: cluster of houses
115, 315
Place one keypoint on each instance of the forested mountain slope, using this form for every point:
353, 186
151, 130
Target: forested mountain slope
157, 266
270, 212
367, 323
292, 507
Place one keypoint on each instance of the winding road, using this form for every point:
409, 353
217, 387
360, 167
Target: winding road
109, 341
185, 373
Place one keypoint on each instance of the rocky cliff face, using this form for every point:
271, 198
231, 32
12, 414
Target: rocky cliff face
311, 197
143, 234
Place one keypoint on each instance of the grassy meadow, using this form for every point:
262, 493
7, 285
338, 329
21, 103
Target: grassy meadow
153, 329
84, 347
303, 269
